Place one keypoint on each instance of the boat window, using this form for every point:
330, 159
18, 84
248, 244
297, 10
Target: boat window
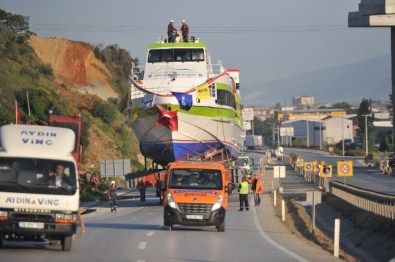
197, 55
167, 55
176, 55
212, 90
182, 55
154, 56
225, 97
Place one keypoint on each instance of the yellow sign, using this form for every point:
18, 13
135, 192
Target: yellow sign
299, 162
326, 171
308, 166
345, 168
203, 92
318, 165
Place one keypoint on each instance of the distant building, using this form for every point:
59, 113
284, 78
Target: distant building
330, 130
311, 114
303, 100
263, 112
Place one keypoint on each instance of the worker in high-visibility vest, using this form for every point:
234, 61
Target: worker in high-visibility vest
243, 193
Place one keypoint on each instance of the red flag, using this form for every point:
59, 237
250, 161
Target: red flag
167, 118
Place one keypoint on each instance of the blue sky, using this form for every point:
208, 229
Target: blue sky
266, 40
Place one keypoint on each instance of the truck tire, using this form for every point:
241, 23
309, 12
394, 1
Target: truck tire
221, 227
66, 242
167, 227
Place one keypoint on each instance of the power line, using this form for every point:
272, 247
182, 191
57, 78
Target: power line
200, 30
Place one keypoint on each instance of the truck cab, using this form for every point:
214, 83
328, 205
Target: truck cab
196, 194
244, 163
39, 191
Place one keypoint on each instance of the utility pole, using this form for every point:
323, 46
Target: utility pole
366, 135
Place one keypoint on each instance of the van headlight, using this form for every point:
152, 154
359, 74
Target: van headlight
218, 204
171, 203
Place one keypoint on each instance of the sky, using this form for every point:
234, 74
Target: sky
266, 40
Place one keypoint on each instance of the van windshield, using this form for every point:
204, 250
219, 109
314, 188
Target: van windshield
37, 176
195, 178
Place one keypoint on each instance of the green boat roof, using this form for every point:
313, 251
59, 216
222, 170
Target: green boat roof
173, 45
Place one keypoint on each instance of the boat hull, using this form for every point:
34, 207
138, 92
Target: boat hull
197, 135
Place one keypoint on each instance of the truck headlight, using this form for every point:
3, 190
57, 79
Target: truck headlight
171, 203
218, 204
3, 215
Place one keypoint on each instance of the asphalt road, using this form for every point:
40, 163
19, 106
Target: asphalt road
134, 233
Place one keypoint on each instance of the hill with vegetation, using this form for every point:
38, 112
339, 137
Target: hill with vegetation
38, 75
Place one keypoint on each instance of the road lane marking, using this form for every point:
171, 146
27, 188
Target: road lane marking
274, 243
112, 215
149, 234
142, 245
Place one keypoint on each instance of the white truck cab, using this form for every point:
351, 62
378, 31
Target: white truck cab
39, 191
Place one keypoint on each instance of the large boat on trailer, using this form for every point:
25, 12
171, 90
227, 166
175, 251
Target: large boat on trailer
183, 107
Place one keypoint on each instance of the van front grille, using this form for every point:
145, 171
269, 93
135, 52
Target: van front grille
195, 208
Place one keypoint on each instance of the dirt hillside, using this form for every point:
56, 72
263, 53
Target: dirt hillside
80, 79
74, 65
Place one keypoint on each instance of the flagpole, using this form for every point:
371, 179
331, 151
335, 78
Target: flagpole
16, 112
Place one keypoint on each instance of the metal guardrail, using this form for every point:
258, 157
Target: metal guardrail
374, 202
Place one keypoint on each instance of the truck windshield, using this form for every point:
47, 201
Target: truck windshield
192, 178
37, 176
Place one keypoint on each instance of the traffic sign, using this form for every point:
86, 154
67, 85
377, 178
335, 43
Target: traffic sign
345, 168
299, 162
308, 166
326, 171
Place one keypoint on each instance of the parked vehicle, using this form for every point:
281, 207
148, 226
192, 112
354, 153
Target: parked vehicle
253, 142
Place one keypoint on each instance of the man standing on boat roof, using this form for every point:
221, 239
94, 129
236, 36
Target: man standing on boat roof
185, 31
171, 32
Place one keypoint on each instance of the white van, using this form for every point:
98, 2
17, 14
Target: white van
36, 204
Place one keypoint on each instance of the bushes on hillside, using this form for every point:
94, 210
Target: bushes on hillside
105, 111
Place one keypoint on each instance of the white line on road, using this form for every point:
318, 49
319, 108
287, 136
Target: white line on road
142, 245
274, 243
149, 234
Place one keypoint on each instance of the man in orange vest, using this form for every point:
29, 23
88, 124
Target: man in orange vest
257, 187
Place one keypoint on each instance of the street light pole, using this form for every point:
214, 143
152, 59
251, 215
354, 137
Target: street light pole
342, 135
366, 135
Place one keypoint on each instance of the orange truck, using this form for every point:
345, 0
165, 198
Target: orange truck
196, 194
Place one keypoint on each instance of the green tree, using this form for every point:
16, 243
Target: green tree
5, 117
264, 128
17, 23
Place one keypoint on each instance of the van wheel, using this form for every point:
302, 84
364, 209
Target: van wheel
66, 243
221, 227
167, 227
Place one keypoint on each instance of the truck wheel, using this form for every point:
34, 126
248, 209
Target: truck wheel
221, 227
167, 227
66, 243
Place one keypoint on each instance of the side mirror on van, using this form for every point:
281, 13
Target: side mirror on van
229, 188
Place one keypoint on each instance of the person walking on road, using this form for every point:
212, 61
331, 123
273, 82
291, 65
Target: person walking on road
142, 188
257, 188
243, 193
112, 196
